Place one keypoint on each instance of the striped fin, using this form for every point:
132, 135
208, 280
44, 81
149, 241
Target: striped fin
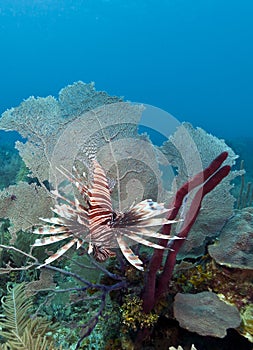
135, 219
57, 194
153, 222
53, 220
82, 215
82, 221
138, 239
129, 254
80, 184
78, 244
59, 252
50, 230
78, 180
146, 213
64, 210
148, 233
73, 178
148, 208
51, 239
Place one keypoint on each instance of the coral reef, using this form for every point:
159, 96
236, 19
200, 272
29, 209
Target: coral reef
86, 296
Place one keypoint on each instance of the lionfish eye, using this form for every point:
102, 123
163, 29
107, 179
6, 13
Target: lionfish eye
114, 219
114, 216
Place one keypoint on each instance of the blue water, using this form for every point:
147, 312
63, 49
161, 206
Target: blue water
191, 58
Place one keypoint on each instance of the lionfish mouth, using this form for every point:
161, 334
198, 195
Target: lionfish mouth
96, 223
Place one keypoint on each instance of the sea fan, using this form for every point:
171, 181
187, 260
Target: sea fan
96, 223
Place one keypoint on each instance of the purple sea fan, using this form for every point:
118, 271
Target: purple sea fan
96, 223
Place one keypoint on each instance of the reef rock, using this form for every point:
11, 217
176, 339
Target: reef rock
205, 314
235, 245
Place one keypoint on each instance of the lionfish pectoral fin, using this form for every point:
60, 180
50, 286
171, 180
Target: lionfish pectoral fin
82, 221
65, 211
172, 238
53, 220
149, 208
149, 222
90, 248
78, 244
76, 179
152, 234
59, 253
50, 240
57, 195
129, 254
50, 230
143, 241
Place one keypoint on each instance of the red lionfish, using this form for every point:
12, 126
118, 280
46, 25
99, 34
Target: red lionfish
97, 224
